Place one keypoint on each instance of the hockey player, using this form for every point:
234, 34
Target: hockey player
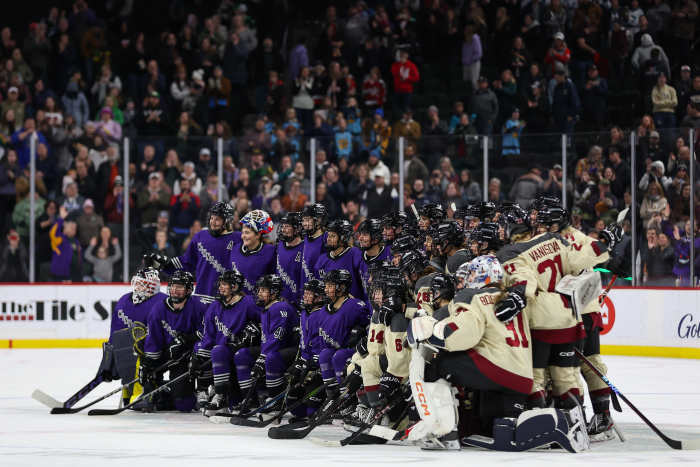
485, 239
131, 310
278, 343
479, 352
207, 254
430, 214
395, 225
225, 320
172, 326
290, 250
314, 218
344, 322
340, 254
310, 345
400, 246
254, 258
448, 245
373, 251
552, 218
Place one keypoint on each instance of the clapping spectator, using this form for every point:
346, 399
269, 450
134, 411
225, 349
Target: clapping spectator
294, 200
102, 262
107, 127
89, 223
184, 209
114, 202
665, 101
657, 257
511, 131
188, 173
21, 140
152, 200
14, 260
75, 103
653, 202
406, 75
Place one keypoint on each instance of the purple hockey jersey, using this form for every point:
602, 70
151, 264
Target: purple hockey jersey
223, 322
384, 254
313, 248
277, 321
165, 325
253, 264
310, 343
126, 313
335, 326
351, 260
207, 257
288, 267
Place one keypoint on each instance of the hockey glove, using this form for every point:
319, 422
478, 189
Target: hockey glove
356, 333
147, 375
197, 364
353, 381
258, 370
156, 260
248, 337
509, 307
388, 385
422, 328
611, 235
297, 371
361, 347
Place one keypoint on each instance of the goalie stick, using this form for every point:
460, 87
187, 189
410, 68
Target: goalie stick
40, 396
70, 410
675, 444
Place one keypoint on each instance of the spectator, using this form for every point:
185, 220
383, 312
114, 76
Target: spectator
664, 102
434, 134
653, 202
471, 56
377, 167
194, 230
471, 190
114, 202
153, 119
554, 186
565, 103
21, 140
219, 90
559, 55
643, 53
103, 86
655, 173
89, 223
373, 90
342, 139
527, 187
148, 164
189, 174
407, 127
405, 75
682, 243
184, 209
657, 257
682, 27
75, 104
602, 202
102, 262
163, 245
594, 98
414, 166
13, 105
484, 105
465, 139
71, 200
511, 132
379, 200
299, 174
66, 259
107, 127
46, 167
205, 164
152, 200
294, 200
14, 260
9, 173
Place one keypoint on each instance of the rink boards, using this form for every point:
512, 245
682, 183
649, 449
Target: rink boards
658, 322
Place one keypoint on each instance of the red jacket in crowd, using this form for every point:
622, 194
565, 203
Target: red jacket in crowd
405, 76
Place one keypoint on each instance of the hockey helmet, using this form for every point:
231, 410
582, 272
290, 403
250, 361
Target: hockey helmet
273, 284
482, 271
343, 231
232, 278
341, 281
442, 286
317, 216
184, 278
373, 228
258, 221
314, 295
225, 212
293, 220
144, 284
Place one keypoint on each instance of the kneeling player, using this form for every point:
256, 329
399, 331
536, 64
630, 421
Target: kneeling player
172, 327
224, 323
278, 342
489, 356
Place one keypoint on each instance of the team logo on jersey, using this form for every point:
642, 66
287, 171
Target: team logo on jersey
279, 333
209, 258
230, 245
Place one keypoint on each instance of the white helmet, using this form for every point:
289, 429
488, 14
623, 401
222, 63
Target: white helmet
482, 271
144, 284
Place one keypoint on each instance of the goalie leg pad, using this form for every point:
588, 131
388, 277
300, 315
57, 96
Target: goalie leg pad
124, 356
107, 365
437, 408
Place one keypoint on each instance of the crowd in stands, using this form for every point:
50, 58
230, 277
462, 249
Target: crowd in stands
266, 76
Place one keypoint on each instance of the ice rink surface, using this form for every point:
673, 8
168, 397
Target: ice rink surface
666, 390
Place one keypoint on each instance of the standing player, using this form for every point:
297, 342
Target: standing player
254, 258
313, 220
207, 254
278, 343
172, 332
340, 254
373, 251
290, 250
224, 321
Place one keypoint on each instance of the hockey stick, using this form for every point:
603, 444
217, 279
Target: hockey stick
143, 396
675, 444
40, 396
299, 431
278, 418
69, 410
228, 417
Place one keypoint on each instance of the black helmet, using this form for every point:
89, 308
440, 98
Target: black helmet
487, 232
484, 211
343, 229
447, 233
233, 278
317, 288
342, 280
184, 278
515, 220
403, 244
546, 201
373, 227
442, 286
433, 211
414, 261
550, 215
318, 213
293, 219
224, 211
271, 282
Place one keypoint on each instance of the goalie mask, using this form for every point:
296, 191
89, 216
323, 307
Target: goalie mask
267, 289
258, 221
338, 282
224, 212
313, 218
482, 271
144, 284
180, 286
233, 279
290, 227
